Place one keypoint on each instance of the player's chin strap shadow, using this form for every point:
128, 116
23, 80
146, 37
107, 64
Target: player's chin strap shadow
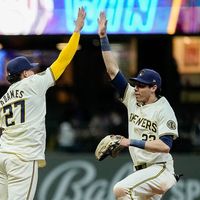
178, 176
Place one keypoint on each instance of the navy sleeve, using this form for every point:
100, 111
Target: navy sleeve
167, 139
120, 83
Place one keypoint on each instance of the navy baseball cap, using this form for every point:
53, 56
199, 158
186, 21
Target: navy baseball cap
148, 77
19, 64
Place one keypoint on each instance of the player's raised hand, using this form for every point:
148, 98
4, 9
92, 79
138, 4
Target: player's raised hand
79, 22
102, 22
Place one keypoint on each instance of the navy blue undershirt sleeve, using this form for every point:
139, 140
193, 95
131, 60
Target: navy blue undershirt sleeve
120, 83
167, 139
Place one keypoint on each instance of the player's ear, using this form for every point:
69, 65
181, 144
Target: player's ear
154, 88
24, 74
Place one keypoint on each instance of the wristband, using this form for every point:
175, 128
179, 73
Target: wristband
105, 46
137, 143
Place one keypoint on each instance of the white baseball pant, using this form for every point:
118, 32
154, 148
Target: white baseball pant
18, 179
147, 184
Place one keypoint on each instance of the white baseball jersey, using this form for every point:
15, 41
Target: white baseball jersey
22, 111
149, 122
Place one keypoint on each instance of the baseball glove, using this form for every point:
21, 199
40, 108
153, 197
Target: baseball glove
109, 146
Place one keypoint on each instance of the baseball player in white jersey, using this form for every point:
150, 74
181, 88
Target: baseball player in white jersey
152, 129
22, 112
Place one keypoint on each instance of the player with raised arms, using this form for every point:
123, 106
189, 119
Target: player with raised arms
152, 129
22, 115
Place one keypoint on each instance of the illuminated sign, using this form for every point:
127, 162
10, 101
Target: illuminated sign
129, 16
57, 17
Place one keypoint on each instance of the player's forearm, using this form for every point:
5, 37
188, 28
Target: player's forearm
157, 146
151, 146
108, 57
65, 56
110, 63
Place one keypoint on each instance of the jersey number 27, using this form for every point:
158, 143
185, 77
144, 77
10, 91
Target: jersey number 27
9, 109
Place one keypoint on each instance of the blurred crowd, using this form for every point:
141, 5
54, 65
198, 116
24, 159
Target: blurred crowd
73, 127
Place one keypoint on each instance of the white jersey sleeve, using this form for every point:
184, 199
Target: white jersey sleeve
167, 122
42, 81
129, 95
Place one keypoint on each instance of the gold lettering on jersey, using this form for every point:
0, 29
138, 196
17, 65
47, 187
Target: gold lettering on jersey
11, 95
143, 122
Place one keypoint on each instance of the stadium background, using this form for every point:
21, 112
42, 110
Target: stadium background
82, 108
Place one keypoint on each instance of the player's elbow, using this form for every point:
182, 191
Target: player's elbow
165, 146
161, 149
165, 149
112, 71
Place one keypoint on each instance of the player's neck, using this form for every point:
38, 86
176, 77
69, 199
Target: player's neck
152, 99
